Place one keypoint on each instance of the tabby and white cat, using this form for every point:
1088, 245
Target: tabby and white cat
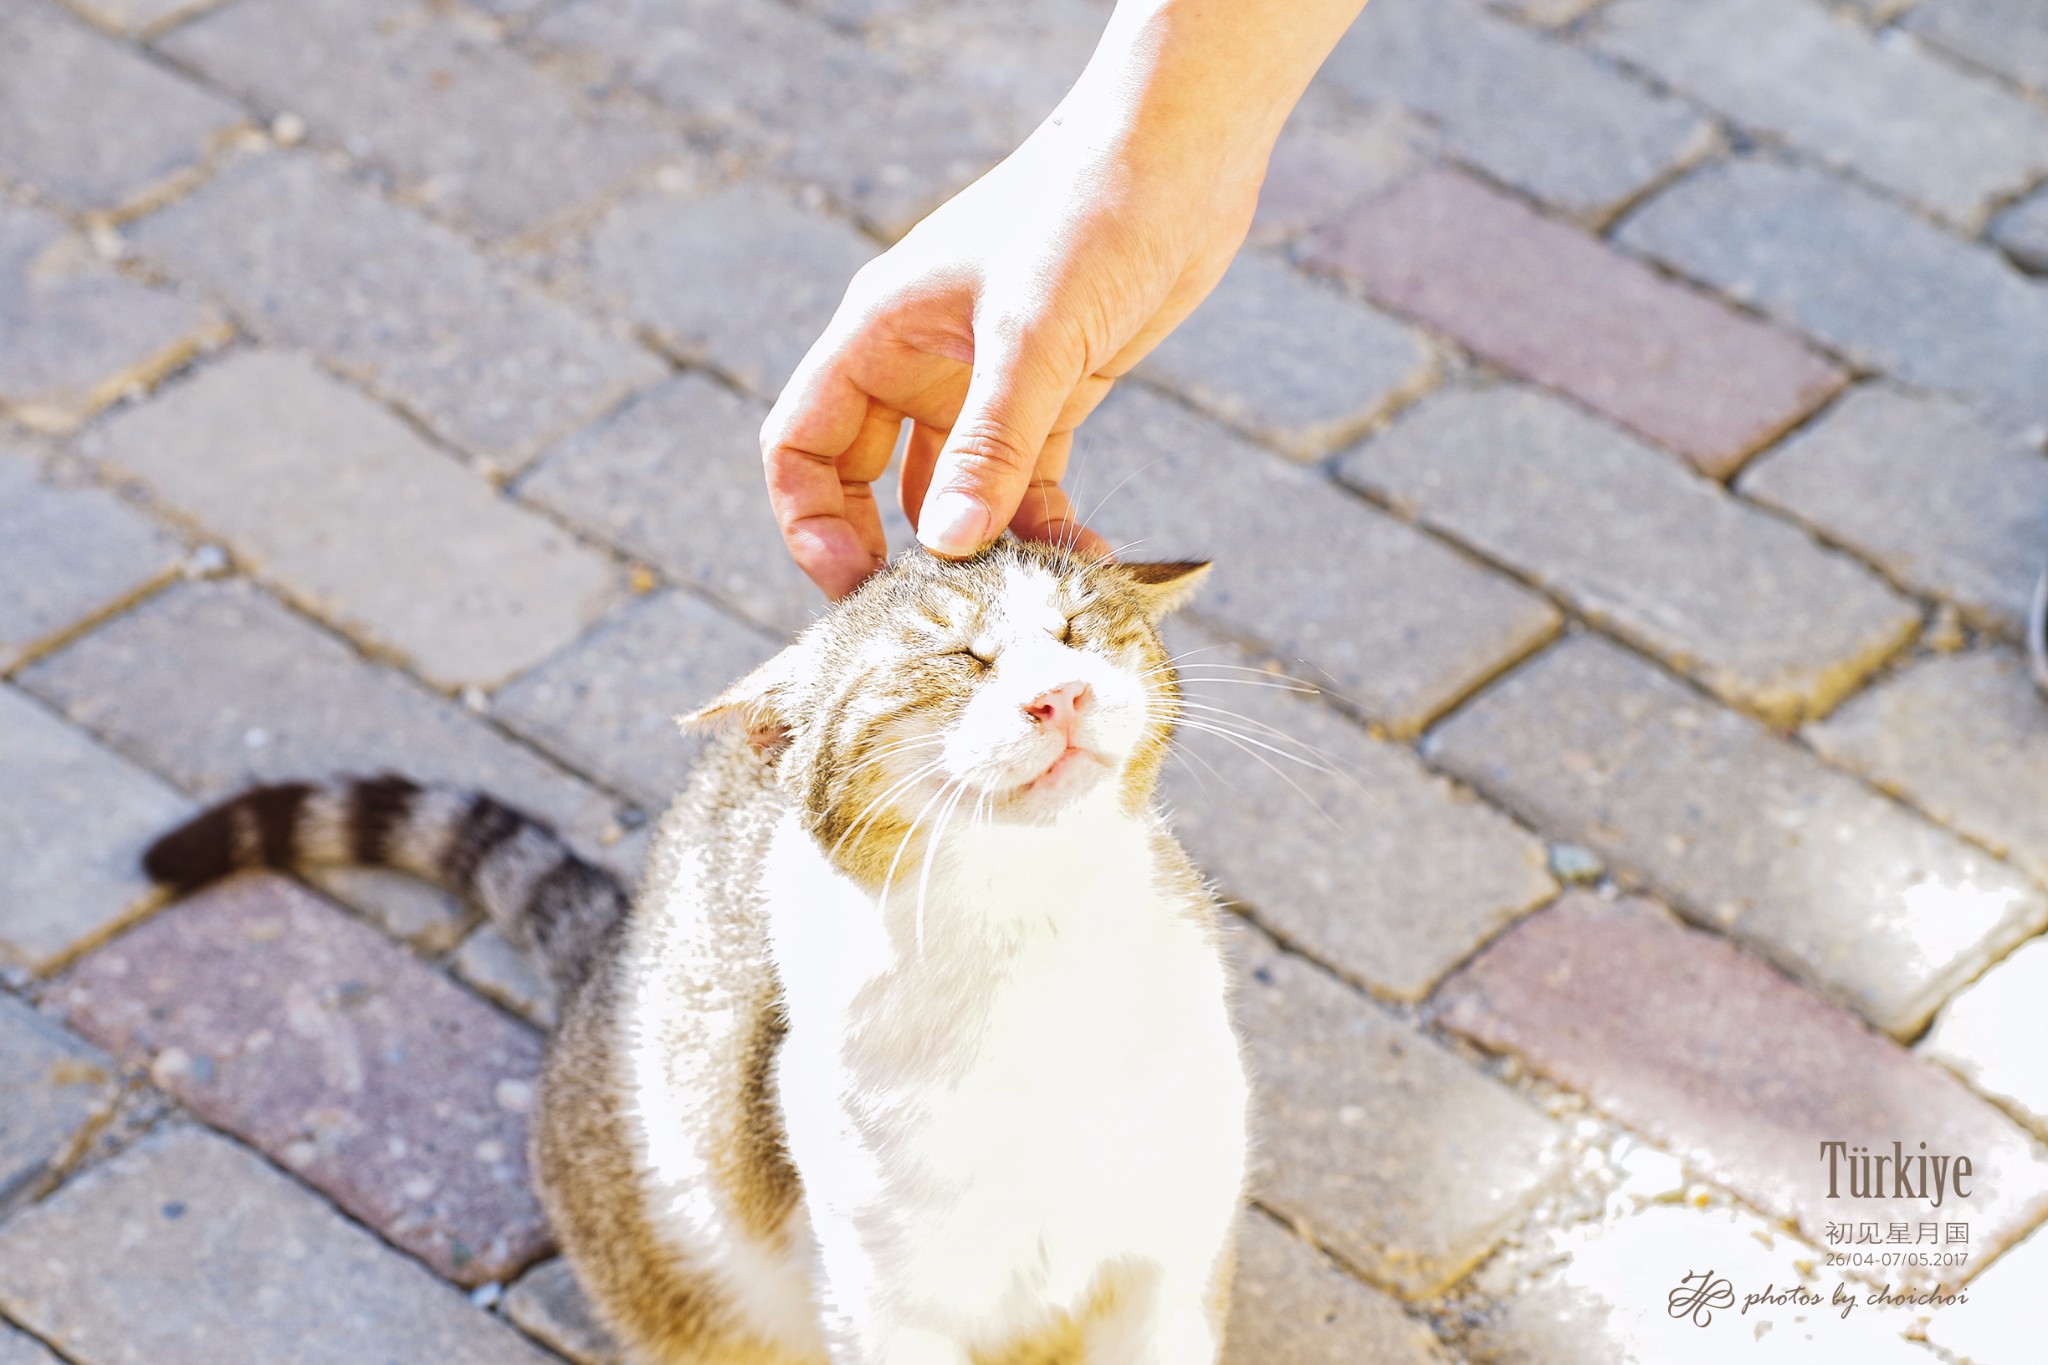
914, 1049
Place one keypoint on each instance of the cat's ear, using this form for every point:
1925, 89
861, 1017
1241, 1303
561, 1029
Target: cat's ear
1164, 587
760, 701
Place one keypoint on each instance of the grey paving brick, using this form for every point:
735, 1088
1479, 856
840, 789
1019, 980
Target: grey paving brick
74, 334
67, 553
409, 910
742, 278
1680, 1034
1748, 605
1026, 55
217, 686
1548, 13
1961, 737
1332, 155
1944, 502
861, 13
1557, 305
343, 507
490, 962
2022, 233
55, 1086
1290, 1303
369, 1075
1989, 1034
1406, 1161
467, 126
189, 1250
1747, 833
1388, 619
18, 1348
887, 134
2006, 36
608, 706
1290, 360
1885, 110
88, 121
1874, 12
549, 1306
1804, 247
1534, 112
309, 258
73, 820
1344, 845
674, 478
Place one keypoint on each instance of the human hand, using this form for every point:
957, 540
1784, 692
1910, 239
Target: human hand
999, 322
996, 325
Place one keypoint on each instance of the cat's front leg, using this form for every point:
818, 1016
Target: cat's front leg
914, 1346
1161, 1325
1181, 1336
861, 1328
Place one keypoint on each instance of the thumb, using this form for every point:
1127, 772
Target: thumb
1013, 398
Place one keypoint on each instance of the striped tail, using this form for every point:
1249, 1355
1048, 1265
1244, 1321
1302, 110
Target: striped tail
511, 866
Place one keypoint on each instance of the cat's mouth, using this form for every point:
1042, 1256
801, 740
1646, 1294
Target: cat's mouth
1072, 771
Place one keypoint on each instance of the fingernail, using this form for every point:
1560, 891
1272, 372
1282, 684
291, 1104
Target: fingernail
954, 524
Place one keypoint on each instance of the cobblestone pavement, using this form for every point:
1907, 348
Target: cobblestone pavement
1660, 385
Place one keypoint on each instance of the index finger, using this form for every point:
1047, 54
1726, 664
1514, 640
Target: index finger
824, 441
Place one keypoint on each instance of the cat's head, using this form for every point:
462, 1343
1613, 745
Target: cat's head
1026, 685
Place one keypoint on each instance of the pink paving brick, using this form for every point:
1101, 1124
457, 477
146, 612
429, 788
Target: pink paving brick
1558, 306
1740, 1072
273, 1015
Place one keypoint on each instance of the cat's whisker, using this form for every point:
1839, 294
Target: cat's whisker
901, 746
901, 784
1071, 536
931, 850
889, 878
906, 780
1103, 502
884, 755
1269, 675
1300, 691
1176, 656
1193, 757
1329, 762
1271, 731
1113, 551
1217, 715
1241, 741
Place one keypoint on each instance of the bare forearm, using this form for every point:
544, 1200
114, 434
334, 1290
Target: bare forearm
1208, 80
1001, 320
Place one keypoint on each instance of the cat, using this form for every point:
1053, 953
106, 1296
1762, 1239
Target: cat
915, 1048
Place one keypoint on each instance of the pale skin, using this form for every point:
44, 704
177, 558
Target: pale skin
999, 322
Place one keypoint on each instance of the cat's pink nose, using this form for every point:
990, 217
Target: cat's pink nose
1060, 707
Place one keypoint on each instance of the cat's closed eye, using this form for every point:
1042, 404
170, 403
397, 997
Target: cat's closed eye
983, 656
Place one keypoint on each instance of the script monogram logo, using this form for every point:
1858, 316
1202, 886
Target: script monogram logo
1697, 1296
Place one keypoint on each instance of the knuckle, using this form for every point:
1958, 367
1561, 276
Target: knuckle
989, 447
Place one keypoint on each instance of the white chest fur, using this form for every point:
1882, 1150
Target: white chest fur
1047, 1086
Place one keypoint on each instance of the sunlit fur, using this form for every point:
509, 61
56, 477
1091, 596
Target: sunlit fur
909, 1054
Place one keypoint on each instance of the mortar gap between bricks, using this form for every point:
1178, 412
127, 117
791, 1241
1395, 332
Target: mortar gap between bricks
1408, 1309
1574, 616
1732, 133
194, 1120
93, 620
54, 1353
1631, 879
1961, 62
